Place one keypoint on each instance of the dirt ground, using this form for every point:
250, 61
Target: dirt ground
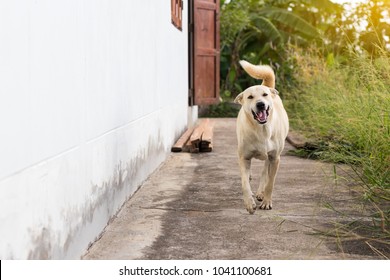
192, 208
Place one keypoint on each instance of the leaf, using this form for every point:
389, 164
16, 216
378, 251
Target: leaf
232, 75
326, 5
248, 36
266, 27
290, 20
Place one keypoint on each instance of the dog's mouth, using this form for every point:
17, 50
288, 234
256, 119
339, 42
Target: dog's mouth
261, 116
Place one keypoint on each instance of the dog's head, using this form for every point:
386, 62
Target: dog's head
257, 101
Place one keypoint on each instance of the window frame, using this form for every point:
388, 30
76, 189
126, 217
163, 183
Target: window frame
176, 13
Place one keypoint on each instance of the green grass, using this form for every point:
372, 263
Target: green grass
346, 108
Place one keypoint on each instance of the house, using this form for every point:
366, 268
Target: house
92, 96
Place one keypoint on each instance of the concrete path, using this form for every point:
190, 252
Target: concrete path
192, 208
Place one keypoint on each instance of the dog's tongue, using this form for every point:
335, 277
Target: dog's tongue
262, 116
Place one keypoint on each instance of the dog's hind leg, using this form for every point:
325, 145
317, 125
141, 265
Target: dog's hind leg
273, 167
249, 202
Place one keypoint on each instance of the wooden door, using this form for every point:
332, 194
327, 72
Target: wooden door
206, 52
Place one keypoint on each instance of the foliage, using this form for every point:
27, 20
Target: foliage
373, 15
253, 30
260, 31
347, 109
221, 110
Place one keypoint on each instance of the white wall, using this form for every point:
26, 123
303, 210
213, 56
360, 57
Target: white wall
92, 96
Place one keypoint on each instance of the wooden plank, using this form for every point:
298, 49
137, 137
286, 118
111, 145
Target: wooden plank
187, 147
206, 150
206, 144
208, 131
198, 139
194, 150
205, 147
181, 142
196, 136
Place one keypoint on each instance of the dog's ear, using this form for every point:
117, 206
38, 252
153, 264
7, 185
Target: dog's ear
239, 98
274, 91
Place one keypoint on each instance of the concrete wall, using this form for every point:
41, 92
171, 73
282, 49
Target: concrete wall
92, 96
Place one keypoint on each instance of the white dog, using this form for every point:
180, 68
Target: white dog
262, 127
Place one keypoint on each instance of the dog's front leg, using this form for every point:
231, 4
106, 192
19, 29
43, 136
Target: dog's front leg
263, 181
250, 204
273, 166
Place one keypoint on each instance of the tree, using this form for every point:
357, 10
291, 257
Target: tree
258, 31
261, 31
375, 14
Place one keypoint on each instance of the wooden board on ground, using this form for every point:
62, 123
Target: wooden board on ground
196, 136
181, 142
198, 139
206, 144
208, 131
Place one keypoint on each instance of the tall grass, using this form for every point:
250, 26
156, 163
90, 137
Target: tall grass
346, 108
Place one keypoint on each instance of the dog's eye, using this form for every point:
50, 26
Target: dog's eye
250, 97
265, 94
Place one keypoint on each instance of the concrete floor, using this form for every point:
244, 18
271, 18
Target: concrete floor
192, 208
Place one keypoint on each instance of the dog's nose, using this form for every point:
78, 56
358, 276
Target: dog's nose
260, 106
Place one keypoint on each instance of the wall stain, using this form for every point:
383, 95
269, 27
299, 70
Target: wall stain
42, 245
109, 196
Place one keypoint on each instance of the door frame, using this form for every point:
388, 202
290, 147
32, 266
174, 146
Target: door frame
193, 52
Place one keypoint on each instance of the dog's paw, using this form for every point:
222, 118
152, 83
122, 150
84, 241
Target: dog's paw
266, 204
250, 205
260, 196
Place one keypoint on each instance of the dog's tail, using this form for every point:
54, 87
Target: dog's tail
263, 72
